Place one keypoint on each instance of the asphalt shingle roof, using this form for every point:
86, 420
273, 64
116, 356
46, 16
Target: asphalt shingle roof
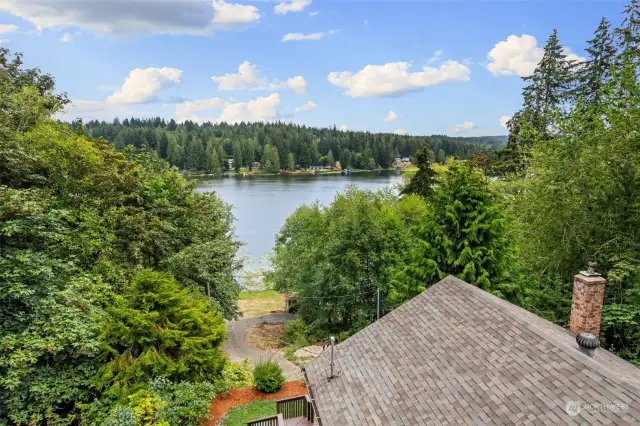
456, 354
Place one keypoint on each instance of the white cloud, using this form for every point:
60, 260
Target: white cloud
142, 84
7, 28
298, 84
316, 13
333, 32
264, 108
95, 110
436, 56
300, 36
123, 18
66, 37
248, 78
306, 107
572, 56
3, 40
400, 131
391, 116
467, 125
394, 78
366, 22
520, 56
504, 120
188, 108
287, 6
344, 127
232, 15
515, 56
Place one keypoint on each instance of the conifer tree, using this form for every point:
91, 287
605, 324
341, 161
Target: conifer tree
423, 182
291, 162
237, 156
596, 71
330, 159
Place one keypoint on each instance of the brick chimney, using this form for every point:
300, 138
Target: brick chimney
588, 297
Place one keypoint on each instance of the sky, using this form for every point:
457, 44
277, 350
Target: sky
410, 67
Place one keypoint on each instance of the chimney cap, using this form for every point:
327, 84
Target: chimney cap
591, 270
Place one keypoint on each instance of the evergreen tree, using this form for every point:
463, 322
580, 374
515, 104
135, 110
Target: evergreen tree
330, 160
216, 167
237, 156
174, 153
441, 157
270, 159
628, 34
159, 329
163, 145
463, 235
423, 182
291, 162
346, 159
596, 71
172, 125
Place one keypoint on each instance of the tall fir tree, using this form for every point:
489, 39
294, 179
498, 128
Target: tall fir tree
424, 181
237, 156
596, 71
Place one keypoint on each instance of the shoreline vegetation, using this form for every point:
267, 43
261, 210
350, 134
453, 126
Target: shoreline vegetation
247, 172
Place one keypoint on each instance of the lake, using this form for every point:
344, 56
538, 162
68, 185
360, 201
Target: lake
261, 204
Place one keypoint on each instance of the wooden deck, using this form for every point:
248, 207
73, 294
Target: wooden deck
296, 411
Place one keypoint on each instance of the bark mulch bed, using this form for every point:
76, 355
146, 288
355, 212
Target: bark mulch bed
243, 396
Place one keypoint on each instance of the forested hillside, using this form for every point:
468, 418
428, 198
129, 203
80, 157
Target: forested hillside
191, 146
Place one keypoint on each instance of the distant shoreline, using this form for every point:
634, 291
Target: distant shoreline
297, 173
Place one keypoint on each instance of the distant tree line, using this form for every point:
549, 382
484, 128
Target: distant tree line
277, 146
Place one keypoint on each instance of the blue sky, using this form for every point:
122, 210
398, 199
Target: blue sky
441, 67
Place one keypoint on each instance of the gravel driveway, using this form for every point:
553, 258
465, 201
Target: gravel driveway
237, 349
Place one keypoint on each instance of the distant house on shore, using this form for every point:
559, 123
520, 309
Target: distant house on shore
406, 159
317, 167
230, 162
255, 165
397, 160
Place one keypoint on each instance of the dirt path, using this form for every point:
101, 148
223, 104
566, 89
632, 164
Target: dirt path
237, 348
242, 396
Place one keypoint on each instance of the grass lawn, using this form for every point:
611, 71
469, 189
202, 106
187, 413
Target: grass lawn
256, 303
239, 416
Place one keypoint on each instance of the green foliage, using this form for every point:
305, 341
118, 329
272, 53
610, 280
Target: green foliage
270, 160
335, 258
423, 181
77, 220
268, 377
183, 403
580, 203
296, 331
462, 234
239, 416
159, 329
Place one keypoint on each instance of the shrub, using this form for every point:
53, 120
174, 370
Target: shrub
296, 331
159, 329
121, 416
236, 375
185, 403
267, 376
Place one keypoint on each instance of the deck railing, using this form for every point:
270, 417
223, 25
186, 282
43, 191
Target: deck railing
276, 420
298, 406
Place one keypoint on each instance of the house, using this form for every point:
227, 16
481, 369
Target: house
255, 165
456, 354
406, 159
317, 167
397, 160
230, 162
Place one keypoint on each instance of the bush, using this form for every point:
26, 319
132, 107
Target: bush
185, 403
296, 331
236, 375
267, 376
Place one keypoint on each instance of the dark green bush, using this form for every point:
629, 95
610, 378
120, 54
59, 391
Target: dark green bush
267, 376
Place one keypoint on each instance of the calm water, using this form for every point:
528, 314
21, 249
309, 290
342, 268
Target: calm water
261, 204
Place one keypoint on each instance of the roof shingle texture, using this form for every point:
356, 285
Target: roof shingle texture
456, 354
